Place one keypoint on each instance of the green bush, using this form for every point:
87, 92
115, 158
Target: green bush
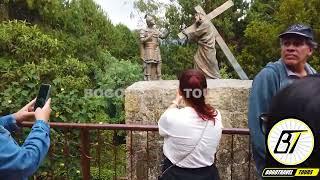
33, 57
74, 47
25, 42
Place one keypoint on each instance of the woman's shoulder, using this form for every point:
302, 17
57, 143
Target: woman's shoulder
169, 113
218, 116
218, 113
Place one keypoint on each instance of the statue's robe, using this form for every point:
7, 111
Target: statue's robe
150, 53
149, 50
205, 57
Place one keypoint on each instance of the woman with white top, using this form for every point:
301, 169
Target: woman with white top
191, 134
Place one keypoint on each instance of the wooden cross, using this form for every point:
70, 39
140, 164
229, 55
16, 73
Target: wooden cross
218, 37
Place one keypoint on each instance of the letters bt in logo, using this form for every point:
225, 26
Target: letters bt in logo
290, 141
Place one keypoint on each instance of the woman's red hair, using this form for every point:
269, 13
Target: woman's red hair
192, 84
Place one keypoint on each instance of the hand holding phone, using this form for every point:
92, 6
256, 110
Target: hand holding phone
44, 112
43, 101
26, 113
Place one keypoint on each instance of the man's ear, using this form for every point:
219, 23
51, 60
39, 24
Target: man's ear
310, 51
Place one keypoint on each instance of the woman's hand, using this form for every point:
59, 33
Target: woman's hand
44, 112
178, 97
177, 100
26, 113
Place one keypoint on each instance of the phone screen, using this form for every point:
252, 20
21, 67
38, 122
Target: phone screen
43, 96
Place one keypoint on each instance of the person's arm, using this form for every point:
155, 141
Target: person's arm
165, 34
187, 36
9, 123
163, 122
199, 30
24, 161
145, 36
20, 162
264, 87
12, 121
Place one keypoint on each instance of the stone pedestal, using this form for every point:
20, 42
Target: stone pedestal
145, 101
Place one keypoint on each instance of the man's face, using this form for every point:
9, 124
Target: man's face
198, 18
150, 21
294, 50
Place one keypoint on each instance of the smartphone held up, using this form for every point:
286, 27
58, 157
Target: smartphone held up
43, 96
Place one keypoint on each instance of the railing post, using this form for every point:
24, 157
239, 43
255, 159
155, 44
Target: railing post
85, 159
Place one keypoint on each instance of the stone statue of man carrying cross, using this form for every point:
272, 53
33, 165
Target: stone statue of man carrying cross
205, 57
205, 34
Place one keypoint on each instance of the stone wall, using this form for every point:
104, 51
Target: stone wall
145, 101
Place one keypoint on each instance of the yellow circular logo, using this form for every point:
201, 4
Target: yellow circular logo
290, 141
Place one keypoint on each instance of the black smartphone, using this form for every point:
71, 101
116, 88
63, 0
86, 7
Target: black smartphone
43, 95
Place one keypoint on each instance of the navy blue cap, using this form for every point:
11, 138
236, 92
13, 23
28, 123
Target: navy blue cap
299, 29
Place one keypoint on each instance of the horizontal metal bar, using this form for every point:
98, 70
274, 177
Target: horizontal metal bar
242, 131
132, 127
96, 126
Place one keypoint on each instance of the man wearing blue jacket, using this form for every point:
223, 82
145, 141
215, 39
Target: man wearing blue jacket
297, 45
20, 162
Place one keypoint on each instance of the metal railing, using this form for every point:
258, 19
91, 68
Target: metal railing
95, 140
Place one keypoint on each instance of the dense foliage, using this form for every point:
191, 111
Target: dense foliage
73, 46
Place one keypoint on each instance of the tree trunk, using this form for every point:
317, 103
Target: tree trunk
3, 12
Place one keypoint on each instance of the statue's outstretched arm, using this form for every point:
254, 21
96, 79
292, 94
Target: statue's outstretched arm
164, 34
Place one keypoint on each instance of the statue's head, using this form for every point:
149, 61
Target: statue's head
149, 20
199, 16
